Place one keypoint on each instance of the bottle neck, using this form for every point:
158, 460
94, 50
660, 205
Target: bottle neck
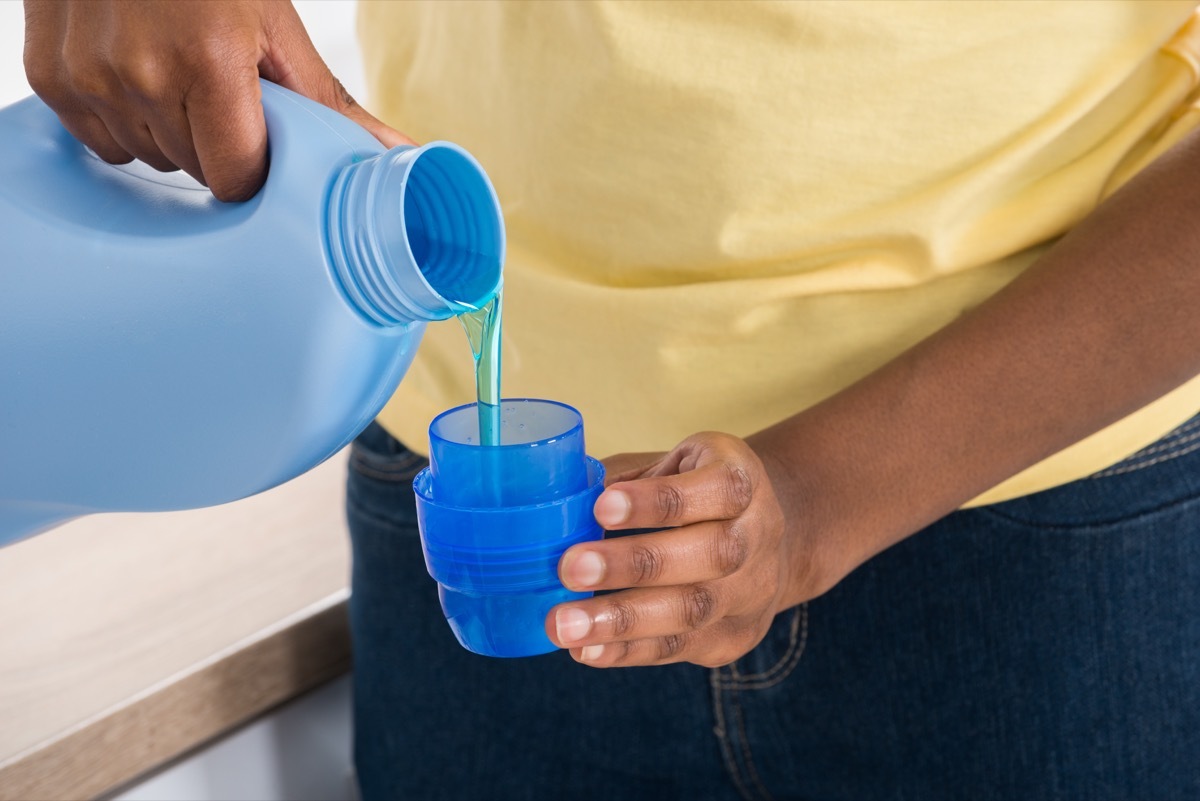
416, 234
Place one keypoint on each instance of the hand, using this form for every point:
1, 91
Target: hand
703, 591
174, 83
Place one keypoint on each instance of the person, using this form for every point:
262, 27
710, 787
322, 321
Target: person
889, 309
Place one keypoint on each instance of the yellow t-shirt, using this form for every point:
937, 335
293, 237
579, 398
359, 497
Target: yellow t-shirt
720, 213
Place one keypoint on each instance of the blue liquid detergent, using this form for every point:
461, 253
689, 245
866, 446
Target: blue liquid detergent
162, 350
483, 327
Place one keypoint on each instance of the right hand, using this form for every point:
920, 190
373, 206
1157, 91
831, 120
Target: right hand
174, 83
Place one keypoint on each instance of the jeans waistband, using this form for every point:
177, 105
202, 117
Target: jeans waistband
1175, 443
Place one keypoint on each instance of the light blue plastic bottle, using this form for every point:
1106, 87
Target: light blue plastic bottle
162, 350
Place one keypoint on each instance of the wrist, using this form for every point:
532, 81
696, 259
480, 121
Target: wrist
821, 544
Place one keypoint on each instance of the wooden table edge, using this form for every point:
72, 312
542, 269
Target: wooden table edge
186, 710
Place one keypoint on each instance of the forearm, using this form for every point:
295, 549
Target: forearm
1102, 324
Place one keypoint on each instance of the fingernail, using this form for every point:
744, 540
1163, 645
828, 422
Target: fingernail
584, 570
591, 653
612, 508
572, 624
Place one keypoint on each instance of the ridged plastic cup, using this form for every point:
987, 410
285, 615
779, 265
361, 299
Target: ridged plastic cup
495, 520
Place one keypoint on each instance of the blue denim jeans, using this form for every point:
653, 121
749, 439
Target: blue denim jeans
1043, 648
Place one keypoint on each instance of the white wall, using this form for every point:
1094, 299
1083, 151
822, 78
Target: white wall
330, 23
12, 39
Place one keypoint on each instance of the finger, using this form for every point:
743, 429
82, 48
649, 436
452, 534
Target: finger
45, 26
326, 89
635, 653
173, 135
134, 137
627, 466
634, 615
159, 102
715, 646
229, 133
91, 131
718, 490
699, 552
304, 71
387, 135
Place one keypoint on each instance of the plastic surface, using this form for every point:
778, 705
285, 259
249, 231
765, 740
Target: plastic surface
162, 350
496, 561
541, 456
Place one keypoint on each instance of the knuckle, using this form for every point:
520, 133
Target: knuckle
739, 488
737, 638
141, 73
646, 563
84, 71
345, 101
722, 656
671, 646
208, 52
42, 76
699, 605
623, 651
89, 82
670, 502
724, 440
730, 550
622, 618
215, 64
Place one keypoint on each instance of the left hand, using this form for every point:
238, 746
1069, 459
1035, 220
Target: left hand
705, 589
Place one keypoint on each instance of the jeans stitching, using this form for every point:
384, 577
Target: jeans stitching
722, 734
1190, 425
1129, 467
1083, 528
747, 758
1170, 442
785, 665
736, 677
782, 659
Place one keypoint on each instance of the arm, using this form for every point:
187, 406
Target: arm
174, 83
1101, 325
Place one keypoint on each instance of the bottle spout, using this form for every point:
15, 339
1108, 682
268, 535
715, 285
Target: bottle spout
416, 234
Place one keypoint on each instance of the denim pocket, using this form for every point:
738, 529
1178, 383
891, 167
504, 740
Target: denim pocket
1177, 443
378, 455
382, 470
773, 659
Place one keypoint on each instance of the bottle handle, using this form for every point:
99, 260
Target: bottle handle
142, 171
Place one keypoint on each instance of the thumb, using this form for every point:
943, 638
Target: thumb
295, 64
389, 136
628, 466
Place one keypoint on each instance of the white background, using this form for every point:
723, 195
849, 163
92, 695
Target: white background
12, 40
